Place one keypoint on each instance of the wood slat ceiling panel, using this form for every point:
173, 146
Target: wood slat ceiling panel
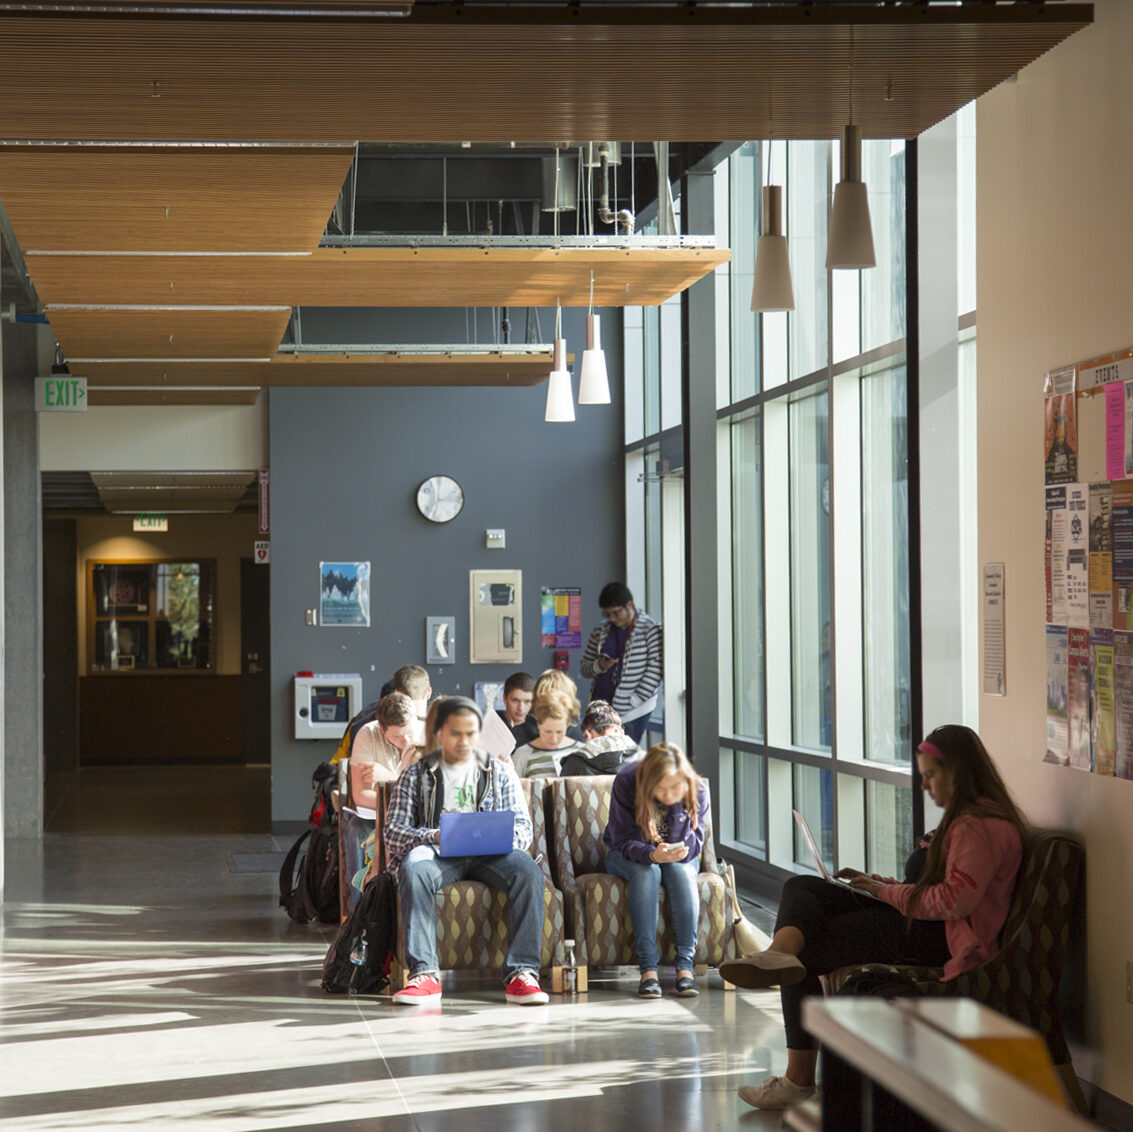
159, 333
495, 74
105, 396
384, 369
385, 277
188, 199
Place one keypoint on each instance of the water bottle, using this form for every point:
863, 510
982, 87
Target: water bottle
358, 953
570, 973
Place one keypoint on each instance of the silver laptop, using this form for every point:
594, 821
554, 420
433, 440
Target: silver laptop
820, 864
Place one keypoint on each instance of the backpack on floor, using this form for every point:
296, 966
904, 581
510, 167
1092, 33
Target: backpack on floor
359, 958
881, 982
313, 893
324, 782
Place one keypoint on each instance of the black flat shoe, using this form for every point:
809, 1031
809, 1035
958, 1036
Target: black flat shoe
685, 987
649, 988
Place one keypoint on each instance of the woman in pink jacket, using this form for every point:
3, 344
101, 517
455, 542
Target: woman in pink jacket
948, 915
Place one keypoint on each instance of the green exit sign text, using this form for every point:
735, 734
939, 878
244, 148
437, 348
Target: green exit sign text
63, 394
151, 523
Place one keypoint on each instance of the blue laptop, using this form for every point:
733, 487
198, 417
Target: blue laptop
477, 834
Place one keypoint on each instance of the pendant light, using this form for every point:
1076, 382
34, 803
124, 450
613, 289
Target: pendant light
560, 399
849, 242
772, 289
593, 383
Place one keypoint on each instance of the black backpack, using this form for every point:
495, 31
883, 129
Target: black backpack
313, 894
358, 961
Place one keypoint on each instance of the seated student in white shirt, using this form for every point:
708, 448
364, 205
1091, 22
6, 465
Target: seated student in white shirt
413, 681
383, 749
542, 757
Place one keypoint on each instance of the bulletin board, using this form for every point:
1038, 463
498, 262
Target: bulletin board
1088, 465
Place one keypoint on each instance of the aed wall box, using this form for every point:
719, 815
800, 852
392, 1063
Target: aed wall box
325, 703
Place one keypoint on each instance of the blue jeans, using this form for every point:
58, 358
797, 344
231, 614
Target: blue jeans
422, 873
645, 880
636, 727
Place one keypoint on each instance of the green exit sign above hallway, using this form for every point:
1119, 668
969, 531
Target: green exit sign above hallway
61, 394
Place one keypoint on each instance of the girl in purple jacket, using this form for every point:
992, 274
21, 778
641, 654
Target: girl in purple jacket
658, 815
948, 914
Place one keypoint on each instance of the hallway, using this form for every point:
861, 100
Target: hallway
146, 984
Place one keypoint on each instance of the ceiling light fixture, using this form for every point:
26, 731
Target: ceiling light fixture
849, 243
560, 398
772, 289
593, 382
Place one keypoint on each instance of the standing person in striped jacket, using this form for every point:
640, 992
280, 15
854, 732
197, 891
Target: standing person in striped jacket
623, 659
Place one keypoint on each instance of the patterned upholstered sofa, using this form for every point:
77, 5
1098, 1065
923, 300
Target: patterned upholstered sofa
472, 919
1022, 980
597, 904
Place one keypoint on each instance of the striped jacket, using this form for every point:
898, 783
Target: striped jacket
641, 665
417, 799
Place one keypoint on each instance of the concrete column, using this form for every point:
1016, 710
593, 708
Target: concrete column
22, 616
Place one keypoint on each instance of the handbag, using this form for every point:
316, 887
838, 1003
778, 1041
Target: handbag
749, 939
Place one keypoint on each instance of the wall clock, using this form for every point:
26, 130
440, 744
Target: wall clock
440, 499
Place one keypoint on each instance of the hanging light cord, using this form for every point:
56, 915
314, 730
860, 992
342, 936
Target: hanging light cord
590, 309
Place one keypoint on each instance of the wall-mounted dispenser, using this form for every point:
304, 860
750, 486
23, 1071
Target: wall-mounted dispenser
495, 616
440, 640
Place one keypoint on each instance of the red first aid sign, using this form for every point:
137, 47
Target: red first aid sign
262, 552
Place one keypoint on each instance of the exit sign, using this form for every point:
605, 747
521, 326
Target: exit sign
151, 523
63, 394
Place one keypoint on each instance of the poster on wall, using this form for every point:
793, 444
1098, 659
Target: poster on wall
995, 656
1101, 556
1061, 425
1073, 546
1056, 745
1102, 738
561, 617
1122, 540
1123, 704
344, 596
1078, 698
1056, 585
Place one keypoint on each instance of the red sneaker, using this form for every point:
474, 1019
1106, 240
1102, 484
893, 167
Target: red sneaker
419, 991
524, 989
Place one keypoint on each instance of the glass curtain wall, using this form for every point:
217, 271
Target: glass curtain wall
814, 559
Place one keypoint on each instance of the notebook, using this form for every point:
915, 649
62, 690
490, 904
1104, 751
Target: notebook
477, 834
820, 864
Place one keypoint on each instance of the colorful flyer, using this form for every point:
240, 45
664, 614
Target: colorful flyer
1047, 554
1115, 398
1102, 737
1123, 704
1101, 556
1061, 426
1078, 698
1056, 739
1122, 538
561, 617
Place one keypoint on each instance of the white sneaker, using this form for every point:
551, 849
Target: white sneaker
774, 1093
764, 969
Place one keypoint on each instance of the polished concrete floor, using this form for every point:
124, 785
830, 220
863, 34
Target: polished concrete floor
145, 985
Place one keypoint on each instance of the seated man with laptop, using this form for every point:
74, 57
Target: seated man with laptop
460, 814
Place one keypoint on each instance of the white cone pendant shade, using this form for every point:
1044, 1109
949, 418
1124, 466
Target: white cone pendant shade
560, 399
850, 241
772, 290
593, 384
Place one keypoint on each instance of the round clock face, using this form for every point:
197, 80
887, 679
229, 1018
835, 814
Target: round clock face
440, 499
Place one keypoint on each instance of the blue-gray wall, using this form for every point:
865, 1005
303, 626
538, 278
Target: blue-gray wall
345, 467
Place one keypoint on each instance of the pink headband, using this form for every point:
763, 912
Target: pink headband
927, 748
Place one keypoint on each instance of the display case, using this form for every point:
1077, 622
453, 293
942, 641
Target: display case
151, 615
